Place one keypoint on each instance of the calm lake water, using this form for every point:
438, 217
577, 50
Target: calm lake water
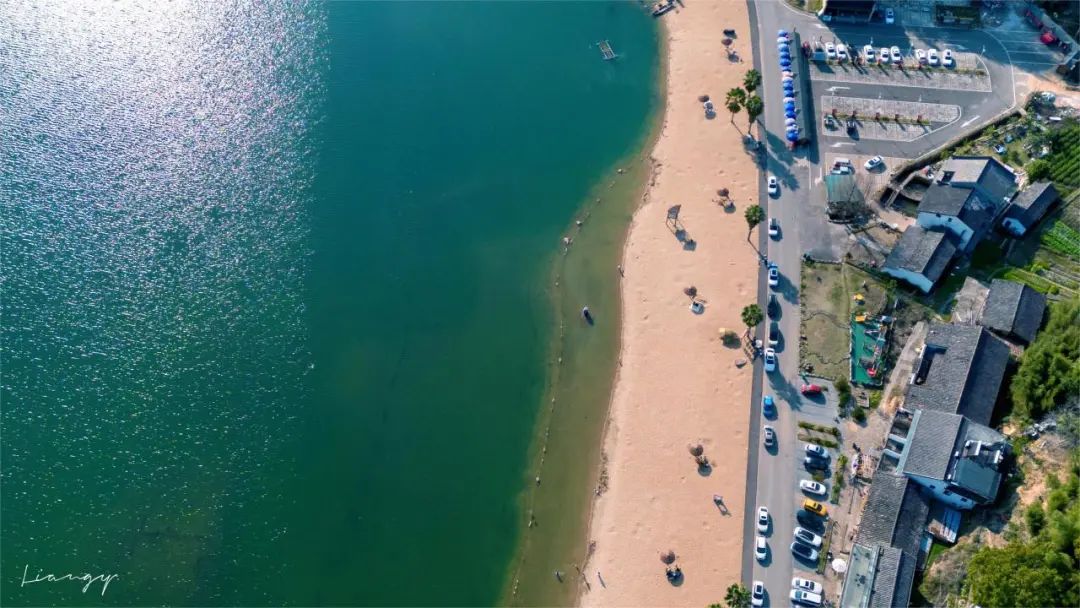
276, 312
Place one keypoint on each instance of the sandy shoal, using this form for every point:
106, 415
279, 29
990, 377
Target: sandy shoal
677, 383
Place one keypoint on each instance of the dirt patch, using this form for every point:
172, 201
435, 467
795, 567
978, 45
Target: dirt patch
823, 344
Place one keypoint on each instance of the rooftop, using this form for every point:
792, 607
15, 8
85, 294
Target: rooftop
964, 203
894, 516
922, 251
978, 455
930, 444
1014, 308
997, 180
960, 372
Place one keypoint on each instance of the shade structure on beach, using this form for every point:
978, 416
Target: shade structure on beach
789, 100
789, 105
789, 74
695, 449
789, 89
668, 557
784, 49
692, 291
789, 114
793, 136
789, 121
839, 565
785, 62
787, 79
781, 32
782, 39
781, 46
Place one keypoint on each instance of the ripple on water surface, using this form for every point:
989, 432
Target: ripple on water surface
155, 170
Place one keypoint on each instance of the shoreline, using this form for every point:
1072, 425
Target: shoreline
584, 272
655, 500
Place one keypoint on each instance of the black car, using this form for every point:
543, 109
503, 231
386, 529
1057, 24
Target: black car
812, 462
774, 333
814, 523
773, 307
804, 552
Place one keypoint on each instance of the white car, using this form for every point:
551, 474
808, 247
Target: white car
890, 16
932, 56
799, 596
946, 58
920, 55
895, 53
774, 186
830, 50
807, 537
762, 520
774, 227
770, 437
813, 487
816, 450
774, 276
761, 549
868, 53
770, 360
806, 585
884, 54
841, 52
874, 163
1000, 149
757, 594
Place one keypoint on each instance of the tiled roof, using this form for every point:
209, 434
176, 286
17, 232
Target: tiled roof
993, 177
945, 200
894, 516
1032, 202
1014, 308
962, 369
922, 251
888, 570
930, 444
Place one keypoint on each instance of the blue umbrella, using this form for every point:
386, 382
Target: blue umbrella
793, 136
785, 54
785, 62
787, 79
788, 85
789, 105
781, 40
781, 32
784, 49
789, 122
789, 100
789, 113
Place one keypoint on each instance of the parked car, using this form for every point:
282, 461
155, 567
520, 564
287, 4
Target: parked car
763, 519
884, 54
830, 50
874, 163
946, 58
770, 436
810, 389
1000, 149
813, 487
804, 551
761, 548
868, 53
894, 52
774, 333
810, 521
772, 308
841, 52
757, 594
807, 537
932, 57
815, 463
805, 597
770, 360
774, 227
841, 170
816, 450
890, 16
806, 585
814, 507
920, 56
768, 406
774, 276
774, 186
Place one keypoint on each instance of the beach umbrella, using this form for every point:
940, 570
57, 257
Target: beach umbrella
784, 62
781, 40
668, 557
784, 49
695, 448
793, 136
839, 565
789, 74
789, 105
789, 100
703, 98
789, 89
789, 114
724, 192
789, 121
781, 32
691, 291
726, 41
781, 45
787, 79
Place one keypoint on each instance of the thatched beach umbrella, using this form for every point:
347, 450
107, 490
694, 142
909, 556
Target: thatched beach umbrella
696, 449
703, 98
724, 192
668, 557
726, 41
690, 291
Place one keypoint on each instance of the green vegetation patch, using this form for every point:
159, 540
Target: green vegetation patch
1049, 370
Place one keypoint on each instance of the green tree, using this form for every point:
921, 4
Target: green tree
754, 107
737, 596
754, 215
751, 315
1038, 169
1035, 518
1020, 574
1049, 369
734, 102
751, 81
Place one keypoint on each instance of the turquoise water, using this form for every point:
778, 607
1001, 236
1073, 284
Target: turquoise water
274, 313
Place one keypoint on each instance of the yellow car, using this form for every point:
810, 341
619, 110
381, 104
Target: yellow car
814, 507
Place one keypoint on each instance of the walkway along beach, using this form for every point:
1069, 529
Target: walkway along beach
677, 383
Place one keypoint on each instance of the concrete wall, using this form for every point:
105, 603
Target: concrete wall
952, 224
917, 280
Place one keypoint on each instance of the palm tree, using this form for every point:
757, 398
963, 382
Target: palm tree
737, 596
752, 316
754, 216
754, 107
751, 81
734, 102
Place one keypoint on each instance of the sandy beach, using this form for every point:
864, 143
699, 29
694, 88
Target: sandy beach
677, 383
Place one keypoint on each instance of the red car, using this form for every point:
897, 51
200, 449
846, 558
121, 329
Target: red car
810, 389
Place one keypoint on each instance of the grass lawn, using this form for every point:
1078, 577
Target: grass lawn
825, 314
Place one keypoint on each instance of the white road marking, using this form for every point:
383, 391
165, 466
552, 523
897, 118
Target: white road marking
842, 143
969, 121
835, 89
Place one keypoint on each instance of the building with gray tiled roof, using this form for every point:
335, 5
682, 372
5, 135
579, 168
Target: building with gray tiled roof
959, 461
967, 198
920, 258
1028, 207
1014, 310
959, 371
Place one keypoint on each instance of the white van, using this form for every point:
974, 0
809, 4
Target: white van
841, 162
799, 596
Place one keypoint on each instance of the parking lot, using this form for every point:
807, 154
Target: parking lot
970, 74
885, 119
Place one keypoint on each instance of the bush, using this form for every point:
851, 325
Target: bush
859, 414
843, 386
1035, 518
1048, 373
875, 399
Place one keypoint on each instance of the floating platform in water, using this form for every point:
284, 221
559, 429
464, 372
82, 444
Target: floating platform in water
606, 50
